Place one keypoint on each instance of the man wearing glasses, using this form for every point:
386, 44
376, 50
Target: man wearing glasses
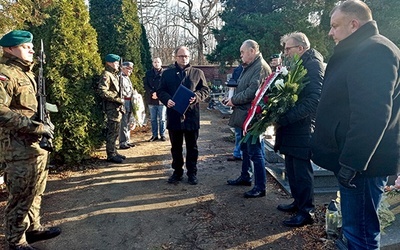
294, 129
187, 125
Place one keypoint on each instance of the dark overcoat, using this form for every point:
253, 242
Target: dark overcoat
358, 117
194, 80
151, 82
294, 128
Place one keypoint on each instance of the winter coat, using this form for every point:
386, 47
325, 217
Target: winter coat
194, 80
151, 83
294, 128
251, 78
358, 117
18, 100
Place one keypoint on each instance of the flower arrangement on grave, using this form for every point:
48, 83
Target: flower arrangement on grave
392, 190
278, 93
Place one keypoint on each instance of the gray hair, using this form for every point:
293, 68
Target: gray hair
355, 8
252, 45
299, 38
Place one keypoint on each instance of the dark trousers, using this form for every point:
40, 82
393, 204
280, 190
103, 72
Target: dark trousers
301, 182
192, 153
112, 135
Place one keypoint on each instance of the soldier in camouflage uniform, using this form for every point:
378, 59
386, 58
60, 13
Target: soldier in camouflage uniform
109, 90
24, 162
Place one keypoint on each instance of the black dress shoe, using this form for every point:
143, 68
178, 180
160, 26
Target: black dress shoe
290, 208
192, 180
130, 144
163, 138
124, 146
298, 221
254, 193
234, 158
239, 182
175, 178
153, 139
25, 246
44, 233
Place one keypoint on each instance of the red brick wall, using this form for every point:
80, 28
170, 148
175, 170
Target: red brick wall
213, 72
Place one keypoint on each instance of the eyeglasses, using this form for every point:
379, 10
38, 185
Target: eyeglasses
291, 47
183, 56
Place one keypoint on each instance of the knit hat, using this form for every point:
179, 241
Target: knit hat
112, 58
16, 37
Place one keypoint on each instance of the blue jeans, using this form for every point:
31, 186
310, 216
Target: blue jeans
157, 116
237, 152
253, 153
360, 222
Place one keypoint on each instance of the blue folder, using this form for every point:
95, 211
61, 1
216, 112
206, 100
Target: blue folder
181, 99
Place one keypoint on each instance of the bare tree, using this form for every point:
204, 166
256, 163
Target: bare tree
183, 22
203, 19
161, 26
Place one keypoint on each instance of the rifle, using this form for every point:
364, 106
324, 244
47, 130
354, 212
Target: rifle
43, 107
121, 86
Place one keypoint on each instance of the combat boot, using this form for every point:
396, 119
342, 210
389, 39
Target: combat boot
43, 233
24, 246
115, 159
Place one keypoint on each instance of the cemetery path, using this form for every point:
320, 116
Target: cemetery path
131, 205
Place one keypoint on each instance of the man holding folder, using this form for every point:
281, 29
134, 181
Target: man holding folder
183, 122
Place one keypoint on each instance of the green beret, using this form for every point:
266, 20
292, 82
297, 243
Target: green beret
112, 58
275, 56
16, 37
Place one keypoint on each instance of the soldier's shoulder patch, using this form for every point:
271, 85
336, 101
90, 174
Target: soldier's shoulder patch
3, 77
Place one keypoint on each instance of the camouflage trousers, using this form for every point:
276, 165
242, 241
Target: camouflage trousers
25, 176
113, 128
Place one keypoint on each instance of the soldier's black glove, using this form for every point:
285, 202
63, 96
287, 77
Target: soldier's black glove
345, 176
45, 130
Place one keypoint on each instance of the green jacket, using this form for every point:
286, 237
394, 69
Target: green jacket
18, 101
109, 90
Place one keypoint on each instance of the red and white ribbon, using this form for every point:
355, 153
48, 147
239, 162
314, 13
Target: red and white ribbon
259, 95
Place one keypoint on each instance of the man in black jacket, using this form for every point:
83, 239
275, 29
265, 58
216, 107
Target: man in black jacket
157, 109
294, 128
357, 133
183, 126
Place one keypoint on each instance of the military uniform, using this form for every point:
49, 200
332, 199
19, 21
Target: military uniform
110, 92
127, 93
23, 161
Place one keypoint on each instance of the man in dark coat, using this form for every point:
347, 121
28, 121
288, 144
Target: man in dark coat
157, 110
294, 128
187, 125
357, 134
